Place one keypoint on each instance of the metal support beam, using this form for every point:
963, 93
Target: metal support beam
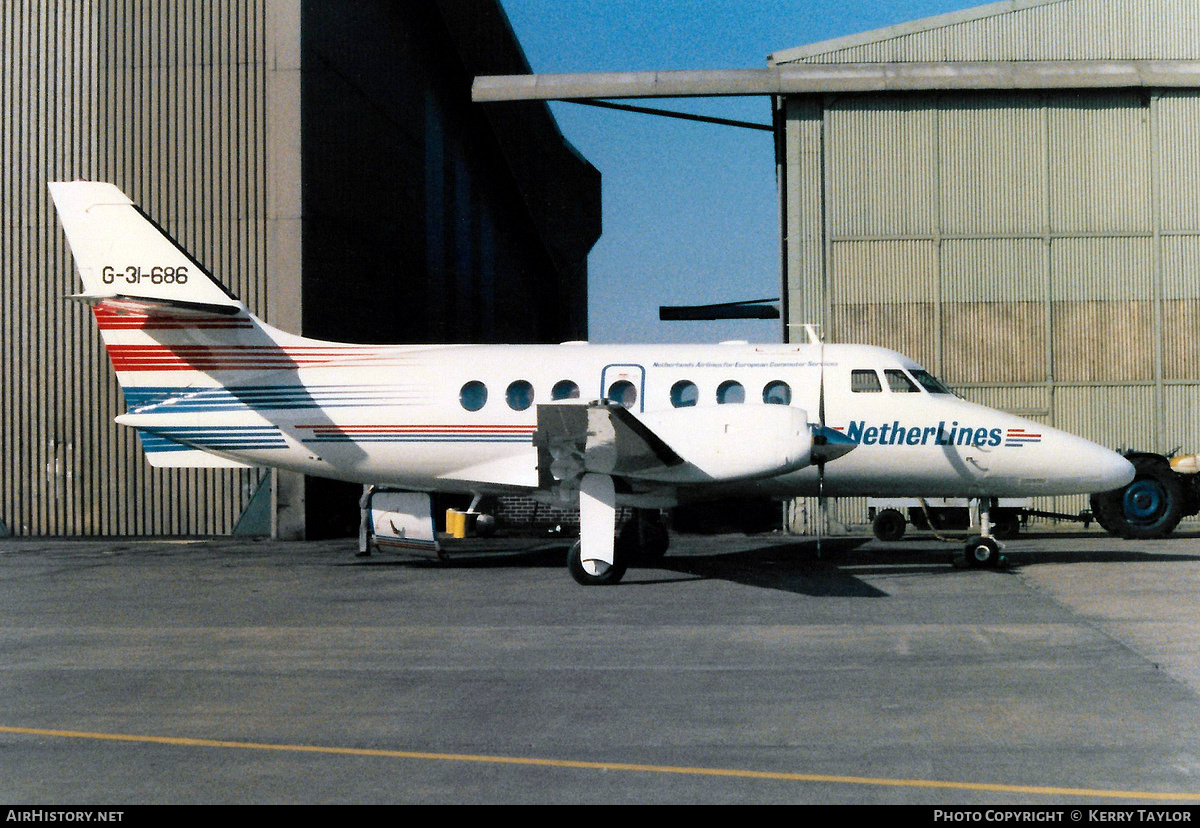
670, 113
821, 78
749, 309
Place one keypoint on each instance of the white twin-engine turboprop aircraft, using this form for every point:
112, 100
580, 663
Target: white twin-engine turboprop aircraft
648, 426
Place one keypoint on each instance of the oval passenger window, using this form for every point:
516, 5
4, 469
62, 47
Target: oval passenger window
519, 395
684, 394
731, 392
473, 395
564, 390
777, 393
623, 392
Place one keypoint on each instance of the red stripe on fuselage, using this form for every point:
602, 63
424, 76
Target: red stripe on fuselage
217, 358
430, 427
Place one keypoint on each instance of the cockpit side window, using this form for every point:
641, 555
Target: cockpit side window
899, 382
865, 381
930, 383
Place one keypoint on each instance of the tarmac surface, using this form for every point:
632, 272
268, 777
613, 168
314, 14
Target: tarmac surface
742, 669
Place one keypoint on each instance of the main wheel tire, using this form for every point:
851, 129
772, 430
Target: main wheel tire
604, 575
889, 525
644, 538
981, 551
1149, 507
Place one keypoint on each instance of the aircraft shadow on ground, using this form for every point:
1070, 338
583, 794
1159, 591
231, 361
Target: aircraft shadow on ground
1029, 554
518, 555
797, 567
1138, 552
835, 569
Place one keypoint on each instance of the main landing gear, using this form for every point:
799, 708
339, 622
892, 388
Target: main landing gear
595, 572
642, 539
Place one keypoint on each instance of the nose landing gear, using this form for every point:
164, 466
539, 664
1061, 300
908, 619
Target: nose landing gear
982, 550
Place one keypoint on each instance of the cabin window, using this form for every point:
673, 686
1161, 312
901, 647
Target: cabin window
473, 395
899, 382
623, 392
519, 395
684, 394
864, 381
564, 390
777, 392
731, 392
930, 383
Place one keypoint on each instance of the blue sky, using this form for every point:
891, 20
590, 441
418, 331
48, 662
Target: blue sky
690, 210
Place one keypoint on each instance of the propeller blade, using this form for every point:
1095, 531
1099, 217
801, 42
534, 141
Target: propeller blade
822, 505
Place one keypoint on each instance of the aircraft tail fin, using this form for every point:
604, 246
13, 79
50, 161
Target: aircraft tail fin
121, 253
203, 378
169, 327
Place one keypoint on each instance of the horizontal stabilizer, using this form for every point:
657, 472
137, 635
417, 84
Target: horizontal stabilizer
154, 306
169, 454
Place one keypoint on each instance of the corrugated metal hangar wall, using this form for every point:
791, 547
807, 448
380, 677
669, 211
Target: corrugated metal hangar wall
1039, 251
197, 109
174, 102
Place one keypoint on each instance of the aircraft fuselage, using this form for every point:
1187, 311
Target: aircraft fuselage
449, 418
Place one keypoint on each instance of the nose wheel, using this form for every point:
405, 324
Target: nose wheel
981, 551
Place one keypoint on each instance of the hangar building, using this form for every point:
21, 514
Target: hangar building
1005, 193
1039, 249
324, 161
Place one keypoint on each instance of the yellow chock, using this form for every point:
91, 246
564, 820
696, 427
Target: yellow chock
456, 523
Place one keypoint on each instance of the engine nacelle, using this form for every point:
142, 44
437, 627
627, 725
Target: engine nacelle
730, 442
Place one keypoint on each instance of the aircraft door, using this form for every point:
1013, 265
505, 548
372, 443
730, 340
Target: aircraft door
626, 384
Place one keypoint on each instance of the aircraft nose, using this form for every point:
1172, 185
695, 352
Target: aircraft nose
1105, 470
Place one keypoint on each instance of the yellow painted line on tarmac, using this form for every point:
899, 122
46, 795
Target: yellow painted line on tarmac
1040, 790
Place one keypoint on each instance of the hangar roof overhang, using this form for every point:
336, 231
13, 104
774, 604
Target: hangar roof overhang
814, 79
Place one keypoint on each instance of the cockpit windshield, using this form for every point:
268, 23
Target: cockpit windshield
930, 383
899, 383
